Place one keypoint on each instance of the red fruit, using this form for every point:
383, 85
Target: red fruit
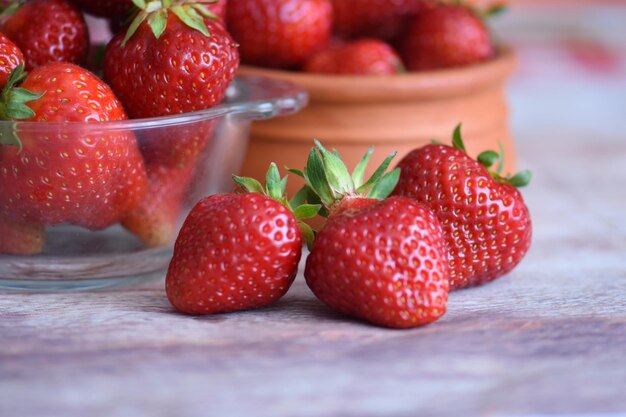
374, 18
279, 33
48, 31
183, 70
155, 219
20, 238
235, 252
10, 58
486, 224
362, 57
77, 174
104, 8
380, 261
218, 9
445, 36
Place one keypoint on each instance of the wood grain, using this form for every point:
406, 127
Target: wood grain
549, 338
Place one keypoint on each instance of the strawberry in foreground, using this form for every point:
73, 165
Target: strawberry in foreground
10, 58
60, 175
48, 31
486, 225
378, 259
238, 251
279, 33
362, 57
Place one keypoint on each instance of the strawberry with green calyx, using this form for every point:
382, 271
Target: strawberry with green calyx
378, 259
48, 31
13, 103
486, 224
182, 61
78, 176
10, 58
238, 251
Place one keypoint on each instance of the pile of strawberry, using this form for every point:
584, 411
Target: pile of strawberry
360, 37
392, 248
169, 57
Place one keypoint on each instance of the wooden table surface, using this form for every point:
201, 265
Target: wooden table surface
548, 338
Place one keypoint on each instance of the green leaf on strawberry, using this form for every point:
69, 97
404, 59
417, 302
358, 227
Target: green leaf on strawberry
274, 188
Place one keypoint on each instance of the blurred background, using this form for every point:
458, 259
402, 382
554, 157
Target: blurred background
571, 77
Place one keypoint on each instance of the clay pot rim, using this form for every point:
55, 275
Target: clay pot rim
423, 85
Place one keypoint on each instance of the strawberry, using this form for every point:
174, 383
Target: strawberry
67, 174
445, 36
279, 33
181, 62
380, 260
48, 31
383, 19
10, 58
362, 57
21, 238
237, 251
155, 219
104, 8
486, 225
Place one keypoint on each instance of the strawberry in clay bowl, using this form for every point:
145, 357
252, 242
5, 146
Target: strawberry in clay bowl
99, 166
394, 74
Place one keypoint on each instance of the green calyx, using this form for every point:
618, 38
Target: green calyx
156, 12
490, 158
13, 106
328, 180
274, 188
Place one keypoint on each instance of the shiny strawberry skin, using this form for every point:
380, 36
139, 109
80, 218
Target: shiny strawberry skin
279, 33
48, 31
182, 71
10, 58
362, 57
71, 175
234, 252
443, 37
384, 263
486, 224
377, 18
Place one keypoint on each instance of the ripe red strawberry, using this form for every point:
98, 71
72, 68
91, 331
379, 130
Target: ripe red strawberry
181, 62
104, 8
155, 219
48, 31
67, 175
237, 251
10, 58
179, 69
486, 224
362, 57
445, 36
374, 18
380, 260
21, 238
279, 33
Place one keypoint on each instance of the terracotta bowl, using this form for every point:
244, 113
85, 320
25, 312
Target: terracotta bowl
397, 113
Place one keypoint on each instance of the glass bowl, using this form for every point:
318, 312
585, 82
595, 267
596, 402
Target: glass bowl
86, 241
